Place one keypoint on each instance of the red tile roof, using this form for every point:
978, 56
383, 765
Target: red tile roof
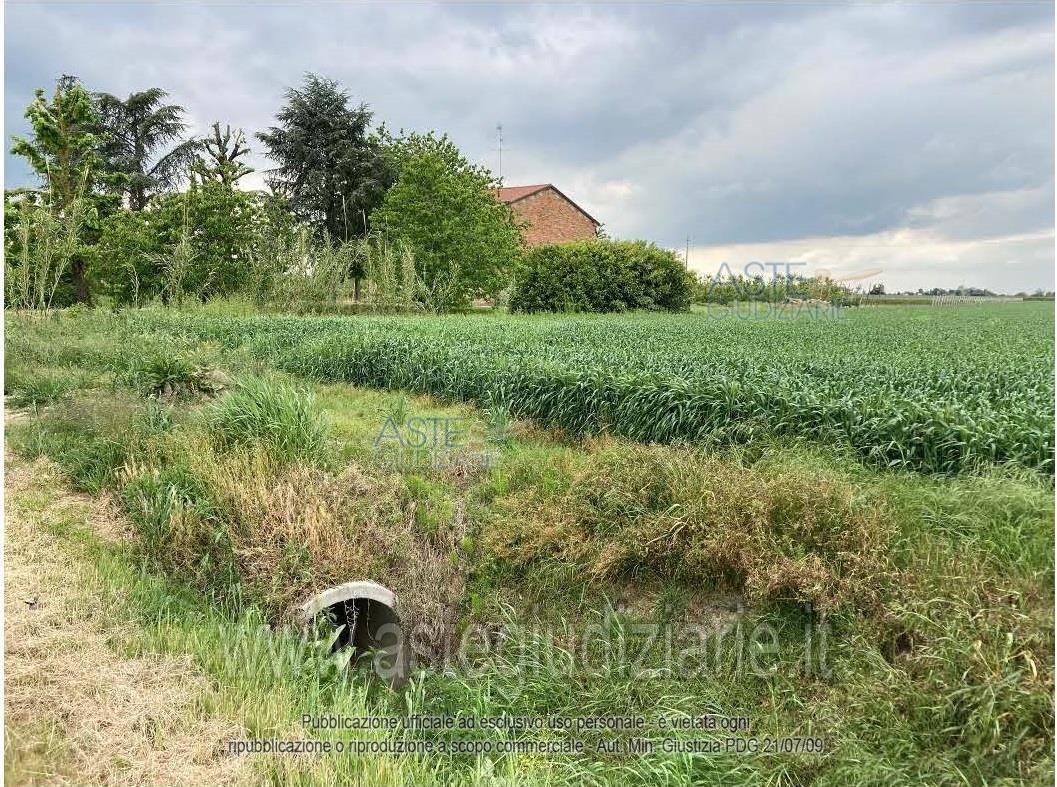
514, 193
509, 194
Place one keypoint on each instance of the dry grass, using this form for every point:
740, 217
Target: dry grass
295, 529
76, 711
661, 512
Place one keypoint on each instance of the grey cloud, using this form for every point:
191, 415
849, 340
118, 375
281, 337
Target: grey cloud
732, 123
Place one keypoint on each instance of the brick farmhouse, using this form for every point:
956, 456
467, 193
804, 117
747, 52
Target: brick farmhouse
547, 215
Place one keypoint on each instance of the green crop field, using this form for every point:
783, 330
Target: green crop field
937, 390
840, 530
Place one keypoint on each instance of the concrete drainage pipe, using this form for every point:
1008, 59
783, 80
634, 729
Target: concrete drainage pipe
368, 612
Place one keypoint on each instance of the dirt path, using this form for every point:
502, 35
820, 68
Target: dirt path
77, 710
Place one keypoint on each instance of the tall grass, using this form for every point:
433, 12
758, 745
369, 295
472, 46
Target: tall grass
47, 242
775, 535
42, 386
91, 437
276, 416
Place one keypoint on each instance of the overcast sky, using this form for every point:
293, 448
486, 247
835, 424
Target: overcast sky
911, 139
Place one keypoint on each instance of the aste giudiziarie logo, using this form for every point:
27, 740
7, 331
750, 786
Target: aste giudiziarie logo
428, 442
778, 291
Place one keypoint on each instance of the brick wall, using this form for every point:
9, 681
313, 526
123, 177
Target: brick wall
551, 219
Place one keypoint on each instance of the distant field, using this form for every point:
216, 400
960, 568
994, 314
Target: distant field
937, 390
930, 300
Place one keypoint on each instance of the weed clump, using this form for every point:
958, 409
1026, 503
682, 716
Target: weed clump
35, 388
170, 376
278, 417
90, 436
166, 505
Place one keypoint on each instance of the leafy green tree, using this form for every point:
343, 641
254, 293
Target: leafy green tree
445, 209
63, 153
330, 167
221, 223
206, 242
123, 261
138, 129
219, 157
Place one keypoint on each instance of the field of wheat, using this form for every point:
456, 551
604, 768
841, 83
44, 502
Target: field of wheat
936, 390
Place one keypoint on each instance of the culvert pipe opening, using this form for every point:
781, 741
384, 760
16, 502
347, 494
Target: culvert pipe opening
368, 613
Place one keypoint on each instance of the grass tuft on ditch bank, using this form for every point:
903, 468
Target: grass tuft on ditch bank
274, 416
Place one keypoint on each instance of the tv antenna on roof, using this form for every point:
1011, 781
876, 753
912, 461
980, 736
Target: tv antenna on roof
499, 141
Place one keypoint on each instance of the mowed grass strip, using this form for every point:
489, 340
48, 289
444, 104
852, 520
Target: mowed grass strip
77, 708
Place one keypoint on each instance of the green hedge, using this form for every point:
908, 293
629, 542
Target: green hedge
601, 276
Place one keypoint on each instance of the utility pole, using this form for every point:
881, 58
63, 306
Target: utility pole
499, 138
686, 259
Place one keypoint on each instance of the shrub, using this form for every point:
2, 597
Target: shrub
122, 262
210, 241
277, 417
601, 276
726, 287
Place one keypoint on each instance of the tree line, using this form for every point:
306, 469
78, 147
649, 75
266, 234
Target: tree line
131, 209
